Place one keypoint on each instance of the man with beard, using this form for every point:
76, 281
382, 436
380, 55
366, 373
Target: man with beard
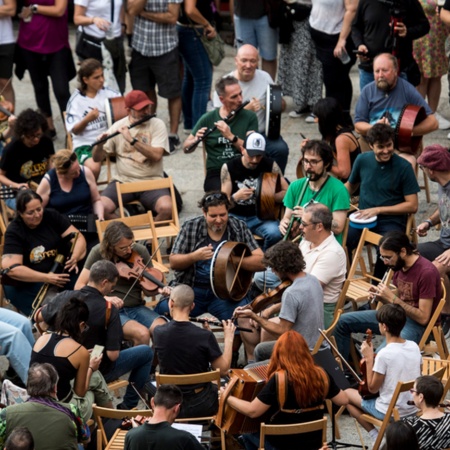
194, 249
383, 100
388, 188
317, 159
418, 292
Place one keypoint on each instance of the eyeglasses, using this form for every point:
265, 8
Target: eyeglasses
304, 224
35, 136
215, 196
126, 247
311, 162
69, 162
386, 258
413, 391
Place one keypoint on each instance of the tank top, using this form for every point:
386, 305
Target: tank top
76, 201
354, 153
66, 371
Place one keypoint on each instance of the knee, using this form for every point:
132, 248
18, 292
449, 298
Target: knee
163, 209
156, 323
140, 335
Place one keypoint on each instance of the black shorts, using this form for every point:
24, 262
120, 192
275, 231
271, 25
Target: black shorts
164, 71
432, 249
6, 60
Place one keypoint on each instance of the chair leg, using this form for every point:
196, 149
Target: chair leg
358, 430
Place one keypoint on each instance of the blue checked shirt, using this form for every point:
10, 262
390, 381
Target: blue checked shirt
151, 38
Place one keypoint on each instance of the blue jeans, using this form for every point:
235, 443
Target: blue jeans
197, 75
206, 301
258, 33
267, 229
16, 339
138, 360
145, 316
360, 321
278, 150
266, 280
251, 442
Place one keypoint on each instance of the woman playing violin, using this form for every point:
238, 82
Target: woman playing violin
117, 246
32, 241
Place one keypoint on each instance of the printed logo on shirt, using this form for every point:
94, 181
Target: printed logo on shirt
38, 254
29, 170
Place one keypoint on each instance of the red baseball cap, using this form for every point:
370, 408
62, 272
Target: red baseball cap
137, 100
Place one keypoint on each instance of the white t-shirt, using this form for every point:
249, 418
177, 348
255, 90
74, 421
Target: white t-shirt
327, 16
398, 362
102, 9
255, 88
6, 29
77, 108
328, 264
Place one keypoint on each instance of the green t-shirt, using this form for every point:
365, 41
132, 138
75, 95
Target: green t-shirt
219, 149
333, 194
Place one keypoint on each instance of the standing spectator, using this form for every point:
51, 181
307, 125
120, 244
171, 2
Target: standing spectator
295, 39
99, 21
251, 24
155, 59
195, 20
7, 44
330, 23
445, 17
429, 53
45, 52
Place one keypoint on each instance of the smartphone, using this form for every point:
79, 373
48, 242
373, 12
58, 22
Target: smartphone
97, 351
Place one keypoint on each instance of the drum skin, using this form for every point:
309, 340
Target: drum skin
274, 98
115, 110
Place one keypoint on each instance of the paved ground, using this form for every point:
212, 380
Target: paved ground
187, 170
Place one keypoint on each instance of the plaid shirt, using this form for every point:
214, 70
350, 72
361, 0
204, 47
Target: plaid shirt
151, 38
192, 236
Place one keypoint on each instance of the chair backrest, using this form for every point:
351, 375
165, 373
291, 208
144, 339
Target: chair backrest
142, 226
107, 413
434, 318
297, 428
193, 378
328, 332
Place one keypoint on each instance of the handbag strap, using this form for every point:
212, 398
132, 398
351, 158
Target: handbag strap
112, 12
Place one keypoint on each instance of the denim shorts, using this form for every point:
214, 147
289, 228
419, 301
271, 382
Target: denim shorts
369, 407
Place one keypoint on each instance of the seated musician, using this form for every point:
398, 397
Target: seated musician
317, 186
308, 386
418, 292
139, 152
72, 190
301, 307
400, 360
388, 188
240, 180
383, 100
226, 140
177, 358
254, 83
324, 258
32, 242
104, 328
118, 246
194, 249
26, 158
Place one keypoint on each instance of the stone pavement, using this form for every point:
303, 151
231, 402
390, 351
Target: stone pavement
187, 170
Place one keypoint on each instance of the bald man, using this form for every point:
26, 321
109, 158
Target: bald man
254, 82
183, 348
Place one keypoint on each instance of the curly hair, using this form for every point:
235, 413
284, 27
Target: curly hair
29, 122
285, 257
114, 232
291, 353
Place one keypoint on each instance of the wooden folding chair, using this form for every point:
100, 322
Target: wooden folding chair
143, 229
439, 345
118, 440
356, 286
392, 412
195, 378
297, 428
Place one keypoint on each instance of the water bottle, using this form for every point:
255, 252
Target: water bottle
345, 58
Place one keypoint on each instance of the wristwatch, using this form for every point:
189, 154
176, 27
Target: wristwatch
234, 140
133, 141
430, 223
34, 8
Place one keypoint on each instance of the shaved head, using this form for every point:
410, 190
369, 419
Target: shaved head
247, 59
182, 296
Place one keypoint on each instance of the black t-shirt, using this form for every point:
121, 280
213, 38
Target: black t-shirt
446, 5
39, 245
310, 441
204, 6
243, 177
184, 348
249, 9
22, 163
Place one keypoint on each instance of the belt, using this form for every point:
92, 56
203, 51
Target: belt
186, 25
194, 391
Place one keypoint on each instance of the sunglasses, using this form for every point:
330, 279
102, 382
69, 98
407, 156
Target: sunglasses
66, 165
215, 196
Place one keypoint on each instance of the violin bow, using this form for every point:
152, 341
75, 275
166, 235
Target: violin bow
142, 271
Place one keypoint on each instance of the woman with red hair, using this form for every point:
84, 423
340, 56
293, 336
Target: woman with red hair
308, 385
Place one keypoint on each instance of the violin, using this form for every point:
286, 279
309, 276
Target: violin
269, 298
363, 387
150, 279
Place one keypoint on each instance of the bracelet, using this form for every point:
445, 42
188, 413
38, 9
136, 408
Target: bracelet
430, 223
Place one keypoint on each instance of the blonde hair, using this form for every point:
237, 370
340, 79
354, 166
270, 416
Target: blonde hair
60, 158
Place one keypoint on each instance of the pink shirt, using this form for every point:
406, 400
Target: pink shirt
44, 34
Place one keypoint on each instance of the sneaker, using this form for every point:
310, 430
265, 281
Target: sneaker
174, 143
444, 124
446, 326
187, 131
310, 118
299, 112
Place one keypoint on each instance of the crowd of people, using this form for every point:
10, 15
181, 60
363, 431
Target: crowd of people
71, 284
